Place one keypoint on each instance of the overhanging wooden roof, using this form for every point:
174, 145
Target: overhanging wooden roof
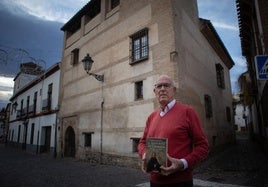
246, 12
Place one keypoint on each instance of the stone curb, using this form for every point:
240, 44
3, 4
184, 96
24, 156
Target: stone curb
199, 183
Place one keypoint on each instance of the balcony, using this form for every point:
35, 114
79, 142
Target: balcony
46, 106
18, 114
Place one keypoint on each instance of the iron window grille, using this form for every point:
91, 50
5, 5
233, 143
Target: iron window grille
220, 76
139, 46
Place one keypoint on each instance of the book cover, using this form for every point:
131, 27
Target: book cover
156, 154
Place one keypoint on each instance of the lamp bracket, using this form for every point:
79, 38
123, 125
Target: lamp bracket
98, 77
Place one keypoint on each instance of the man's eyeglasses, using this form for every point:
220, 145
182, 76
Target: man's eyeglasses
160, 85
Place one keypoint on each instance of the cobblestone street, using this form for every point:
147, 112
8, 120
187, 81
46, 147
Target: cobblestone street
19, 168
242, 164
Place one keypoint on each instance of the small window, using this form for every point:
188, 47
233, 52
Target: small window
208, 106
139, 46
74, 56
88, 139
228, 113
138, 90
220, 76
135, 143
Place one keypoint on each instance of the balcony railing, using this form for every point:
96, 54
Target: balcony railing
46, 105
18, 114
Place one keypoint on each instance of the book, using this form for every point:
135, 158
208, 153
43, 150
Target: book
156, 154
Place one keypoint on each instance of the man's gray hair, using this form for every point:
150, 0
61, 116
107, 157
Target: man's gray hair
168, 77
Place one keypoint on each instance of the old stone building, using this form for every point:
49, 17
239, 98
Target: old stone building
131, 44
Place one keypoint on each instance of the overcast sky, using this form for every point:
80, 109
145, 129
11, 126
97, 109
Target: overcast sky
30, 30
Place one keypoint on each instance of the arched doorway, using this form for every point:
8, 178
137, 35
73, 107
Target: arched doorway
69, 148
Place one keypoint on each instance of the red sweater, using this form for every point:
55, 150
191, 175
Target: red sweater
186, 139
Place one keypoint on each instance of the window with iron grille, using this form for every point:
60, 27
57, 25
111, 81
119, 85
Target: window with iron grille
139, 46
208, 106
220, 76
138, 90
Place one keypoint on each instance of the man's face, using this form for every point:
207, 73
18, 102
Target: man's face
164, 91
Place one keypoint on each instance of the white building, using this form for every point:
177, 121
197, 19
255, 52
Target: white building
241, 118
34, 110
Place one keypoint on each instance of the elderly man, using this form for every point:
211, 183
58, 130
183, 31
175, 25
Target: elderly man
187, 144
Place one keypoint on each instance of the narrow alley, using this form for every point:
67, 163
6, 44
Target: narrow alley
242, 164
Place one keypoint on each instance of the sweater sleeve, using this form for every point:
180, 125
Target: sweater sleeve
142, 142
200, 142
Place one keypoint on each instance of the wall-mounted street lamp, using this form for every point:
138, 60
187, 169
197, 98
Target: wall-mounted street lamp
87, 63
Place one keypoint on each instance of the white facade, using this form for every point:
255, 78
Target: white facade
34, 112
242, 117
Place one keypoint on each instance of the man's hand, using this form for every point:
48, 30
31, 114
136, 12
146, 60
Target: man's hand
176, 165
143, 167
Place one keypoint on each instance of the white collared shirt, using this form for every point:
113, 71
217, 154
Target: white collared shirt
167, 108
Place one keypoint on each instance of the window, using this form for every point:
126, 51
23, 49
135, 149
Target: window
138, 90
35, 102
139, 46
96, 8
21, 108
18, 138
75, 56
32, 133
49, 96
28, 104
208, 106
228, 113
88, 139
135, 143
220, 76
14, 107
